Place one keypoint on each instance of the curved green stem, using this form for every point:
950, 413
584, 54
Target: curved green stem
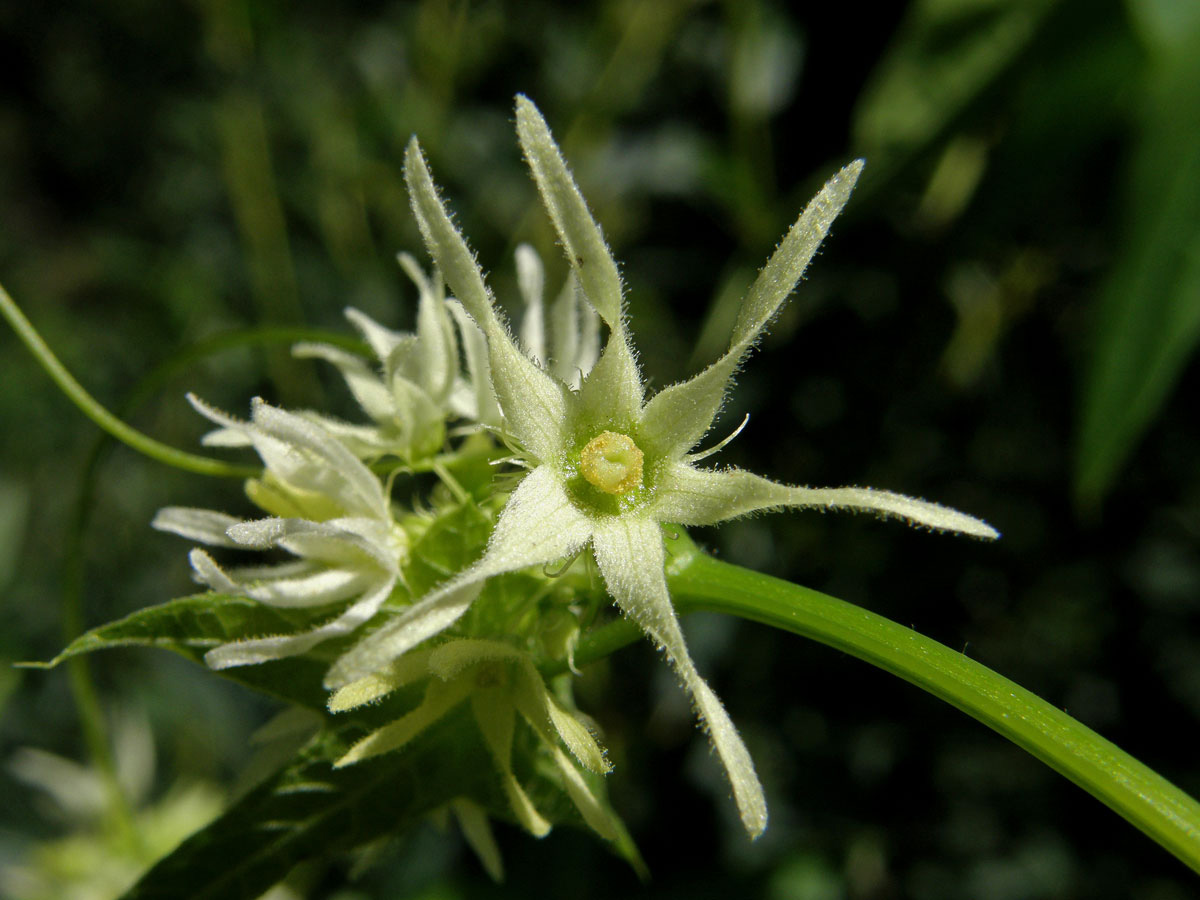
1164, 812
131, 437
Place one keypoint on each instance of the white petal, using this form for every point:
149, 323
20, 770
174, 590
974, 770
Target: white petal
487, 407
258, 650
445, 243
610, 396
437, 352
366, 386
531, 279
330, 469
409, 668
538, 525
207, 572
698, 497
533, 402
787, 264
578, 232
629, 552
418, 623
381, 340
677, 417
531, 399
204, 525
316, 589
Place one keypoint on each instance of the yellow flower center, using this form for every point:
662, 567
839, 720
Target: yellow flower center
612, 462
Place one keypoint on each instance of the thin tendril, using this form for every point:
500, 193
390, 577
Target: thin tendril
131, 437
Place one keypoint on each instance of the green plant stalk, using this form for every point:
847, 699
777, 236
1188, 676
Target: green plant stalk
1168, 815
90, 407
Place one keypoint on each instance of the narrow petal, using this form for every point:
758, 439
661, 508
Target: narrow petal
610, 395
532, 401
405, 670
203, 525
578, 232
418, 623
703, 497
487, 407
258, 650
598, 816
333, 470
317, 589
437, 352
677, 417
538, 525
444, 241
495, 721
574, 335
338, 541
531, 279
207, 572
787, 264
477, 832
629, 552
370, 392
439, 700
381, 340
541, 710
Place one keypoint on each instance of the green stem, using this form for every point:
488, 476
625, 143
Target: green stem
189, 462
1164, 812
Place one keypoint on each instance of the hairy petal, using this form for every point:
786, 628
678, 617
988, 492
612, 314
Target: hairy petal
704, 497
496, 723
532, 400
258, 650
327, 467
405, 670
538, 525
366, 386
677, 417
629, 552
439, 699
531, 279
204, 525
478, 834
582, 241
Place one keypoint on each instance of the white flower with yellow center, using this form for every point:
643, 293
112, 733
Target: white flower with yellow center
609, 467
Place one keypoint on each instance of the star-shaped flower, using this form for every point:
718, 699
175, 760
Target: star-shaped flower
608, 467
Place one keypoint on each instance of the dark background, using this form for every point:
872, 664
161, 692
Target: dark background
1001, 321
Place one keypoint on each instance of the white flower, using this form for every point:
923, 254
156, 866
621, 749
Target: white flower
329, 511
418, 384
608, 467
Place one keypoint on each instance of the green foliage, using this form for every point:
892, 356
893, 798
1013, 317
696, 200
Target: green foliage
1148, 315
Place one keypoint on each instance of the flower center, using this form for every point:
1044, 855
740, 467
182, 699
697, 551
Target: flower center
612, 462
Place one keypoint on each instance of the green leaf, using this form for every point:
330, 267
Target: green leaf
945, 55
310, 812
191, 625
1148, 320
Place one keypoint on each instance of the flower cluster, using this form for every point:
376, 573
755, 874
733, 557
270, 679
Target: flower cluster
600, 468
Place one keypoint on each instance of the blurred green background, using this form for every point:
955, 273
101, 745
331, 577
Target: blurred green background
1003, 321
